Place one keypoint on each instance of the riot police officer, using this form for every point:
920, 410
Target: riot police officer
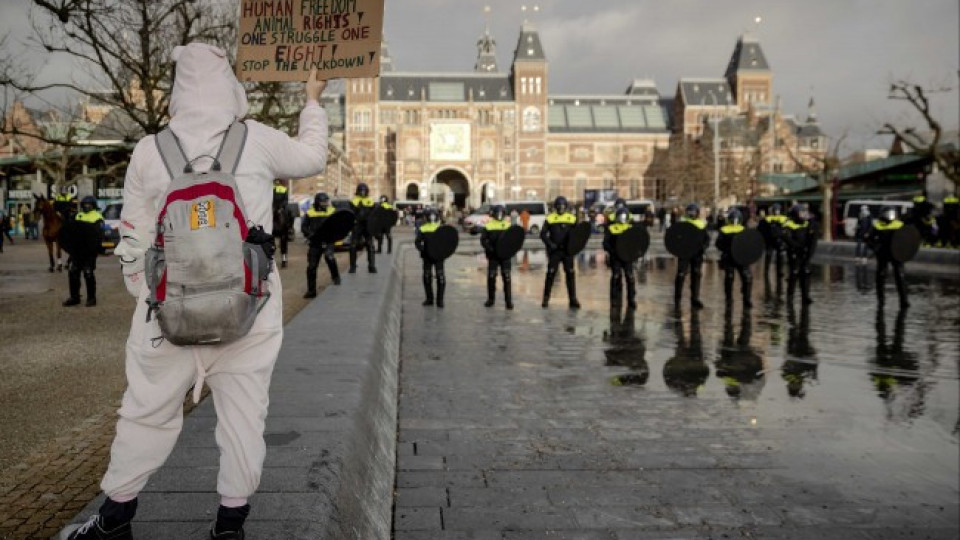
314, 218
921, 216
880, 240
282, 220
555, 234
498, 223
771, 227
385, 204
949, 222
82, 237
619, 269
362, 206
617, 205
800, 236
65, 203
430, 225
694, 264
733, 227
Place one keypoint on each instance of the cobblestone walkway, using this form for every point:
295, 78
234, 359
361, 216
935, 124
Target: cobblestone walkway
538, 424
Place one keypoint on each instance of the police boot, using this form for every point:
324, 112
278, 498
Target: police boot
616, 290
334, 271
73, 278
746, 288
695, 302
283, 260
441, 288
631, 291
901, 287
91, 282
547, 285
311, 283
805, 289
371, 264
353, 261
728, 287
428, 289
507, 293
572, 291
491, 291
678, 289
389, 245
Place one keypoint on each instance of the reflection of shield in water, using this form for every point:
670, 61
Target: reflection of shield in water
905, 243
747, 247
683, 240
577, 238
632, 244
441, 243
336, 227
510, 242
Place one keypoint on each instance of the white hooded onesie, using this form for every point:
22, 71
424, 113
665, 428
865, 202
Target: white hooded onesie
205, 100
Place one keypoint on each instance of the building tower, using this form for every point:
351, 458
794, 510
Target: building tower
749, 75
486, 54
529, 75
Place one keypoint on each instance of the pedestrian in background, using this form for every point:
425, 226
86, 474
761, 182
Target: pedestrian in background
864, 226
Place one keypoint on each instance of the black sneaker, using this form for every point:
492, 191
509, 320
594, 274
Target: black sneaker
310, 294
91, 302
93, 530
71, 302
225, 535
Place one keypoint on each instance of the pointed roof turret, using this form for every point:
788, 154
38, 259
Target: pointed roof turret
811, 112
747, 56
529, 48
486, 54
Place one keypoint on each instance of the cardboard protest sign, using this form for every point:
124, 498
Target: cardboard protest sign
282, 40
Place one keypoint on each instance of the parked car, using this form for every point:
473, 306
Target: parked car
111, 225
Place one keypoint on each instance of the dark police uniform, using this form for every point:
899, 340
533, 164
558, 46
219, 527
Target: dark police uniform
312, 221
281, 220
488, 239
554, 235
429, 265
618, 268
693, 265
82, 236
800, 236
386, 206
921, 216
771, 227
362, 208
949, 223
724, 243
880, 239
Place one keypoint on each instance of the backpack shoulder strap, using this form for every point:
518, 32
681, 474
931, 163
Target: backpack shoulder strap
171, 153
229, 155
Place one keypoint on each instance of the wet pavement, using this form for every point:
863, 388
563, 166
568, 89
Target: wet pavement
834, 422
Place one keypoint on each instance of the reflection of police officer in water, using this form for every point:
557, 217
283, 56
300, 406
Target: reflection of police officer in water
739, 366
800, 366
896, 380
627, 349
687, 371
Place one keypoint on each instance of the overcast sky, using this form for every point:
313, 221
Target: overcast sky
844, 53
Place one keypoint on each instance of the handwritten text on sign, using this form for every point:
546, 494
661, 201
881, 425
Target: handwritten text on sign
282, 40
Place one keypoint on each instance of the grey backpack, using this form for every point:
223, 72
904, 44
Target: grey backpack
206, 282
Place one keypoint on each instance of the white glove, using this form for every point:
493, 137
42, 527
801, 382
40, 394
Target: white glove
130, 251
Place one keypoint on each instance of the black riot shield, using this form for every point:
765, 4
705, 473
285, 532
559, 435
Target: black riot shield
905, 243
510, 242
577, 238
684, 240
336, 227
632, 244
747, 247
381, 220
441, 243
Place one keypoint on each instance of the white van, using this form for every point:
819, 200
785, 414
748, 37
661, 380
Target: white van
642, 210
475, 222
851, 212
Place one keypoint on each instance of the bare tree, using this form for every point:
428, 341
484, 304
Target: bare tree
124, 48
924, 143
824, 171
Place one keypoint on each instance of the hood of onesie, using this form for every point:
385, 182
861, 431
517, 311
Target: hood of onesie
206, 98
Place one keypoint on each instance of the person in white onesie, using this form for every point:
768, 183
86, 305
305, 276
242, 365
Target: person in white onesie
206, 98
